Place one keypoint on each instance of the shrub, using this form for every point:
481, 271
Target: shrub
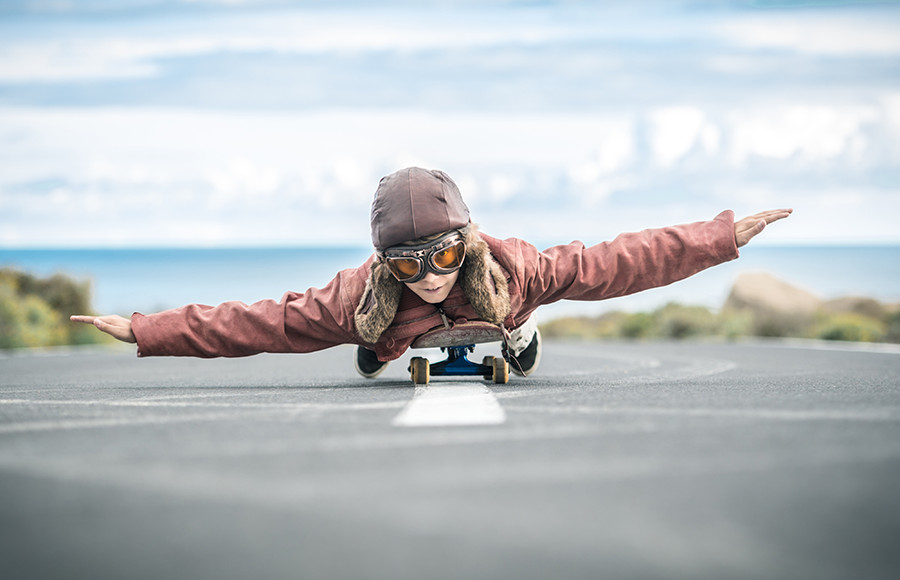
892, 324
605, 326
28, 321
671, 321
566, 328
733, 324
677, 321
35, 311
639, 325
855, 327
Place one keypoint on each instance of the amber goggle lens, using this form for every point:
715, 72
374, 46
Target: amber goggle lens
404, 268
451, 257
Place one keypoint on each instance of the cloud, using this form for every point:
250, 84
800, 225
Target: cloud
814, 33
293, 177
242, 179
675, 130
107, 53
274, 126
32, 51
615, 150
809, 133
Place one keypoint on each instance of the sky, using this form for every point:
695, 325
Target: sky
143, 123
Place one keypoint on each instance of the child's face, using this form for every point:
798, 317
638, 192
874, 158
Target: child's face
434, 288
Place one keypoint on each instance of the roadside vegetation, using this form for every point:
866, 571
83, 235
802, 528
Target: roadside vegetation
35, 311
677, 321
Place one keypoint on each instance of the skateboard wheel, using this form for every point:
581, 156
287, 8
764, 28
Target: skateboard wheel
501, 371
488, 361
419, 370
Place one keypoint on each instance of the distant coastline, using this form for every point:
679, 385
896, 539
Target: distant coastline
122, 281
152, 279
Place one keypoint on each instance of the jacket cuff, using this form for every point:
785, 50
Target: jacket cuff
727, 248
141, 332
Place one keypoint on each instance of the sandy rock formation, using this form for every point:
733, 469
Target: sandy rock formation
762, 293
776, 308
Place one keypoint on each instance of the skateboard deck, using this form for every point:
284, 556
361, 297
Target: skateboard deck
457, 341
462, 334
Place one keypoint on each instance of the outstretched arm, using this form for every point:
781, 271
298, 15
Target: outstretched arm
747, 228
114, 325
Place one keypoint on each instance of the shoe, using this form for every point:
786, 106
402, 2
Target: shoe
367, 363
528, 359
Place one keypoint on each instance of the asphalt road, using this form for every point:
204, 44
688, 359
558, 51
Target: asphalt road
617, 460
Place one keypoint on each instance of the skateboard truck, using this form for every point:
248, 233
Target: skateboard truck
457, 364
458, 342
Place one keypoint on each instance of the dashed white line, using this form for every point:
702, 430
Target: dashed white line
65, 424
218, 411
449, 404
189, 404
880, 414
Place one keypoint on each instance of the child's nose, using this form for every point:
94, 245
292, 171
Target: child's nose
430, 277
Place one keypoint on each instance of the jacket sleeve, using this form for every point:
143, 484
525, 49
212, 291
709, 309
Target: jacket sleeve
300, 322
630, 263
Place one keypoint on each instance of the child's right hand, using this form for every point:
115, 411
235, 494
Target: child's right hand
113, 325
747, 228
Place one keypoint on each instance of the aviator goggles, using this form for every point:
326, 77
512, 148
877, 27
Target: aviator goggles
442, 256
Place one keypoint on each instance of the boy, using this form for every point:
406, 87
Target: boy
432, 267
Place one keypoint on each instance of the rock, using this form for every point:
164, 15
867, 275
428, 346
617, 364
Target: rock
775, 307
764, 294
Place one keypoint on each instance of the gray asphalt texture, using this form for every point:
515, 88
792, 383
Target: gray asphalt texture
617, 460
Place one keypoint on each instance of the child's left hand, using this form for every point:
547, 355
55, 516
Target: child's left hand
745, 229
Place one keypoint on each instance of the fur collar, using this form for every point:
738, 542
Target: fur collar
480, 277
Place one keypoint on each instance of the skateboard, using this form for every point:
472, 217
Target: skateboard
458, 341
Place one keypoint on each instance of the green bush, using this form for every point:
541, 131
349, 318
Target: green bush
734, 324
671, 321
28, 321
855, 327
565, 327
605, 326
892, 327
677, 321
35, 311
638, 325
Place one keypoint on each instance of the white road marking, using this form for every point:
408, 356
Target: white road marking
816, 344
447, 404
231, 411
63, 424
695, 369
879, 414
188, 404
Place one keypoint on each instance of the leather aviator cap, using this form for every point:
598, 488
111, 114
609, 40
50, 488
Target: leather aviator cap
413, 203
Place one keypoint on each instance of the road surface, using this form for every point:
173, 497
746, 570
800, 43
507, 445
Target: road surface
616, 460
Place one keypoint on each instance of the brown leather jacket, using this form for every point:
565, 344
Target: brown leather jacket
322, 318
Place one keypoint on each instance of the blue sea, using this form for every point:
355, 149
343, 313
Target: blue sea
148, 280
